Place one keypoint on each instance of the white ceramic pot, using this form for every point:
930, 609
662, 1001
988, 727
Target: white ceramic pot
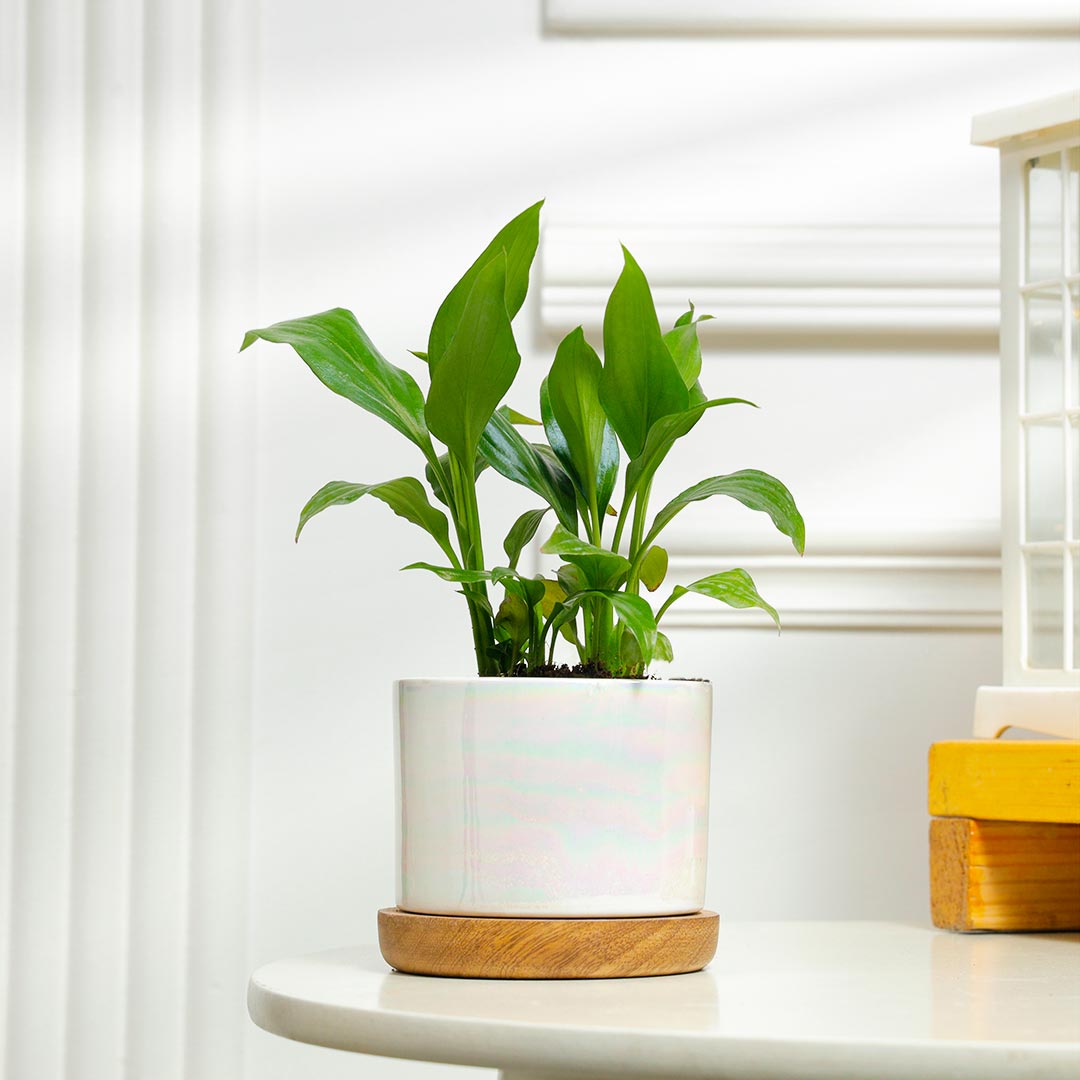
552, 797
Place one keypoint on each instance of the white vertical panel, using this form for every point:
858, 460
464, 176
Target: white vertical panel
107, 525
217, 974
161, 792
12, 166
47, 541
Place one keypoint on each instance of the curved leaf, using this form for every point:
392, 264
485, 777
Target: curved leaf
479, 465
653, 568
504, 449
664, 434
685, 347
753, 488
477, 368
735, 588
405, 496
600, 568
635, 614
343, 358
518, 239
575, 422
521, 532
516, 418
452, 573
640, 382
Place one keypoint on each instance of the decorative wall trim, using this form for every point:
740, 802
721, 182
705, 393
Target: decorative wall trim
764, 284
1040, 17
876, 575
126, 462
885, 576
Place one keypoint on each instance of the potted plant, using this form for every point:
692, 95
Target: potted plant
524, 792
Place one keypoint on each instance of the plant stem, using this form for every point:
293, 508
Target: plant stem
641, 508
467, 525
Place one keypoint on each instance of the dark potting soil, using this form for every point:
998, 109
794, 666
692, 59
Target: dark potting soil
591, 670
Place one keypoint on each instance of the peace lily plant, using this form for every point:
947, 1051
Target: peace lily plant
642, 397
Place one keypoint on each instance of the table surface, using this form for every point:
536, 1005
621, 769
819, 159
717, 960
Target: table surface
781, 1001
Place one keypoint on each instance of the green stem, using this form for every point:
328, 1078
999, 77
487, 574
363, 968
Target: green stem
467, 526
637, 551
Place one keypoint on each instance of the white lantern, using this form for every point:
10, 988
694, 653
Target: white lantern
1040, 416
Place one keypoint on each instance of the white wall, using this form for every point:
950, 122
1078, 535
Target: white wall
165, 160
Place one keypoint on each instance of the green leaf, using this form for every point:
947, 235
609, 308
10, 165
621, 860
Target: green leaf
640, 382
531, 466
685, 347
518, 239
600, 568
664, 651
735, 588
405, 496
753, 488
444, 460
521, 532
653, 568
576, 425
452, 573
663, 436
636, 616
529, 589
516, 418
477, 368
343, 358
512, 621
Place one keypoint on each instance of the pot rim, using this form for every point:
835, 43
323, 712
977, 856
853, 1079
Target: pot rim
507, 680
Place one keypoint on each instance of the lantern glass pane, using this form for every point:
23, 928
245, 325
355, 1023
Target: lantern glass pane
1076, 610
1045, 596
1044, 218
1074, 438
1074, 345
1072, 178
1045, 482
1045, 351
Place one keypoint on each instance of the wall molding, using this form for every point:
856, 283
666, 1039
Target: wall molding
923, 17
777, 284
126, 462
874, 576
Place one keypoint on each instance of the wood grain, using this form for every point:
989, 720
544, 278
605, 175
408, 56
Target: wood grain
493, 948
1004, 875
1009, 780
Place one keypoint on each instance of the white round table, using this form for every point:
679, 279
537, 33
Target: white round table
781, 1001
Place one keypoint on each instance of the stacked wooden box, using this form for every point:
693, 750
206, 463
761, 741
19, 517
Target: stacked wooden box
1005, 836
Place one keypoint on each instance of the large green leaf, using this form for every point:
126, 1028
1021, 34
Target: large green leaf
518, 239
600, 568
521, 532
640, 382
753, 488
504, 449
477, 368
733, 587
342, 356
574, 420
663, 436
405, 496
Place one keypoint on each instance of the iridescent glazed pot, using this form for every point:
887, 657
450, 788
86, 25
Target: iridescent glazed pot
552, 797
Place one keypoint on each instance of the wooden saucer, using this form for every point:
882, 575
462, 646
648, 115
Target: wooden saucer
497, 948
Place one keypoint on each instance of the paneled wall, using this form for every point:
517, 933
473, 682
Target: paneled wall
126, 236
195, 739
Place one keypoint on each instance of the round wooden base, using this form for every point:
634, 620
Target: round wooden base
496, 948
